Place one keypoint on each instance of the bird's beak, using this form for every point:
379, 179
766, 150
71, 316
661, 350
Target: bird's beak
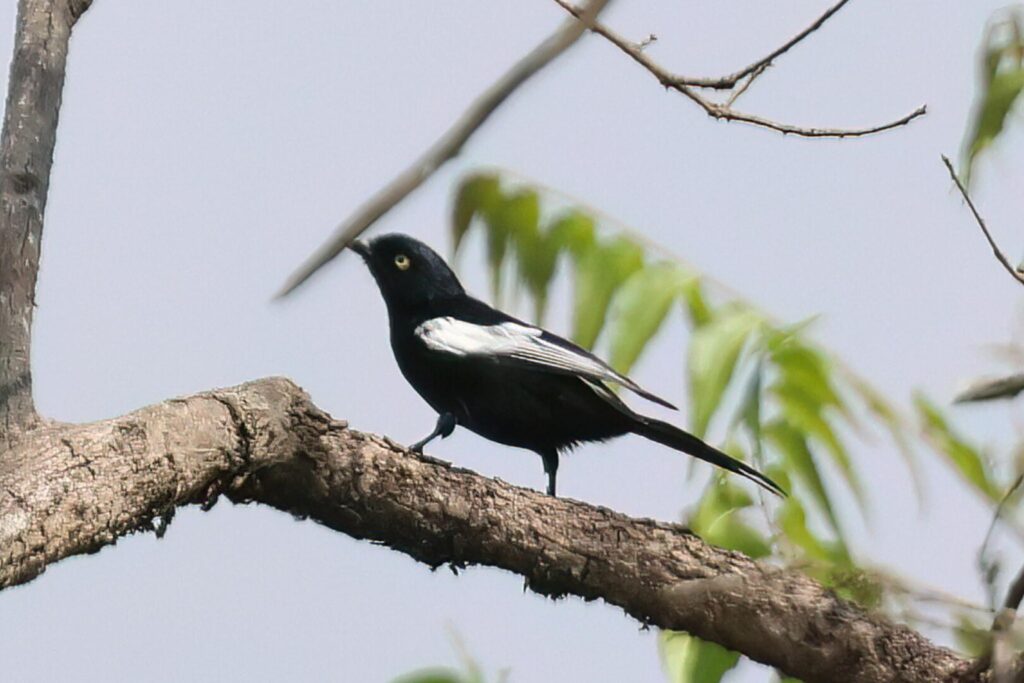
360, 247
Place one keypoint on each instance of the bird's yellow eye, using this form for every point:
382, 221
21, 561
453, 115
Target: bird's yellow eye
402, 262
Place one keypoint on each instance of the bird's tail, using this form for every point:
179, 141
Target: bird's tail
676, 438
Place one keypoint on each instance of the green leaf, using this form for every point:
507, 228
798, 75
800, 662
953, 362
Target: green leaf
966, 459
895, 425
712, 357
639, 309
697, 307
792, 519
718, 519
475, 196
972, 638
799, 460
600, 271
432, 675
1000, 94
807, 368
537, 256
691, 660
513, 215
802, 411
749, 413
573, 231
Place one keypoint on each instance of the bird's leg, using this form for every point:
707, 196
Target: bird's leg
444, 427
551, 468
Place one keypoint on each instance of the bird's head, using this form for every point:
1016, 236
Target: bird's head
409, 273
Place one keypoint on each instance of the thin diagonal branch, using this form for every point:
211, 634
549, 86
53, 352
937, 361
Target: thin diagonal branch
687, 86
1000, 256
447, 146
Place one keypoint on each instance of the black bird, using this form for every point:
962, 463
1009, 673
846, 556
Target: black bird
502, 378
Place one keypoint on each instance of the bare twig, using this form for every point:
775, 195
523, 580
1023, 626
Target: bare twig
728, 82
1000, 256
447, 146
686, 86
742, 88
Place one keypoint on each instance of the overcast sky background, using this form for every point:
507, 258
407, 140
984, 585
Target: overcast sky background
206, 148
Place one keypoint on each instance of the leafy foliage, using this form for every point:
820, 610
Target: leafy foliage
1002, 81
771, 393
965, 458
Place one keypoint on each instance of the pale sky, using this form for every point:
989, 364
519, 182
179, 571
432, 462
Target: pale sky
206, 148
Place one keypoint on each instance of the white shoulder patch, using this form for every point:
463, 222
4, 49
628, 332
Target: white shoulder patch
458, 337
522, 344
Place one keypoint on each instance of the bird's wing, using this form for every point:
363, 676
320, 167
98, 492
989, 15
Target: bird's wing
519, 342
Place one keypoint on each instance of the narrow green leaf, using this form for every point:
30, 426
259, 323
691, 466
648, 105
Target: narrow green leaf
997, 100
718, 519
476, 195
966, 459
513, 215
691, 660
802, 411
697, 307
600, 271
714, 351
807, 368
879, 407
639, 309
749, 413
792, 519
799, 460
573, 231
432, 675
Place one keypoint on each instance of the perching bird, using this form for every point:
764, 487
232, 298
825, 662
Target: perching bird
505, 379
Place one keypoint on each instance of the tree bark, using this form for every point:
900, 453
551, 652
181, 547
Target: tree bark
71, 489
26, 153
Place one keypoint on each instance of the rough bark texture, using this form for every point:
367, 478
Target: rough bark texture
29, 134
70, 489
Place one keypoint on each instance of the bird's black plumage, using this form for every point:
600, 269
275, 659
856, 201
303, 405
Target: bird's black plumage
502, 378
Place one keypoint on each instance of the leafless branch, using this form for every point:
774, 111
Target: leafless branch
447, 146
723, 82
730, 81
72, 489
1000, 256
687, 86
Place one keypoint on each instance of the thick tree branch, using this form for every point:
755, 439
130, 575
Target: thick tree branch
26, 153
1000, 256
71, 489
686, 86
448, 145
